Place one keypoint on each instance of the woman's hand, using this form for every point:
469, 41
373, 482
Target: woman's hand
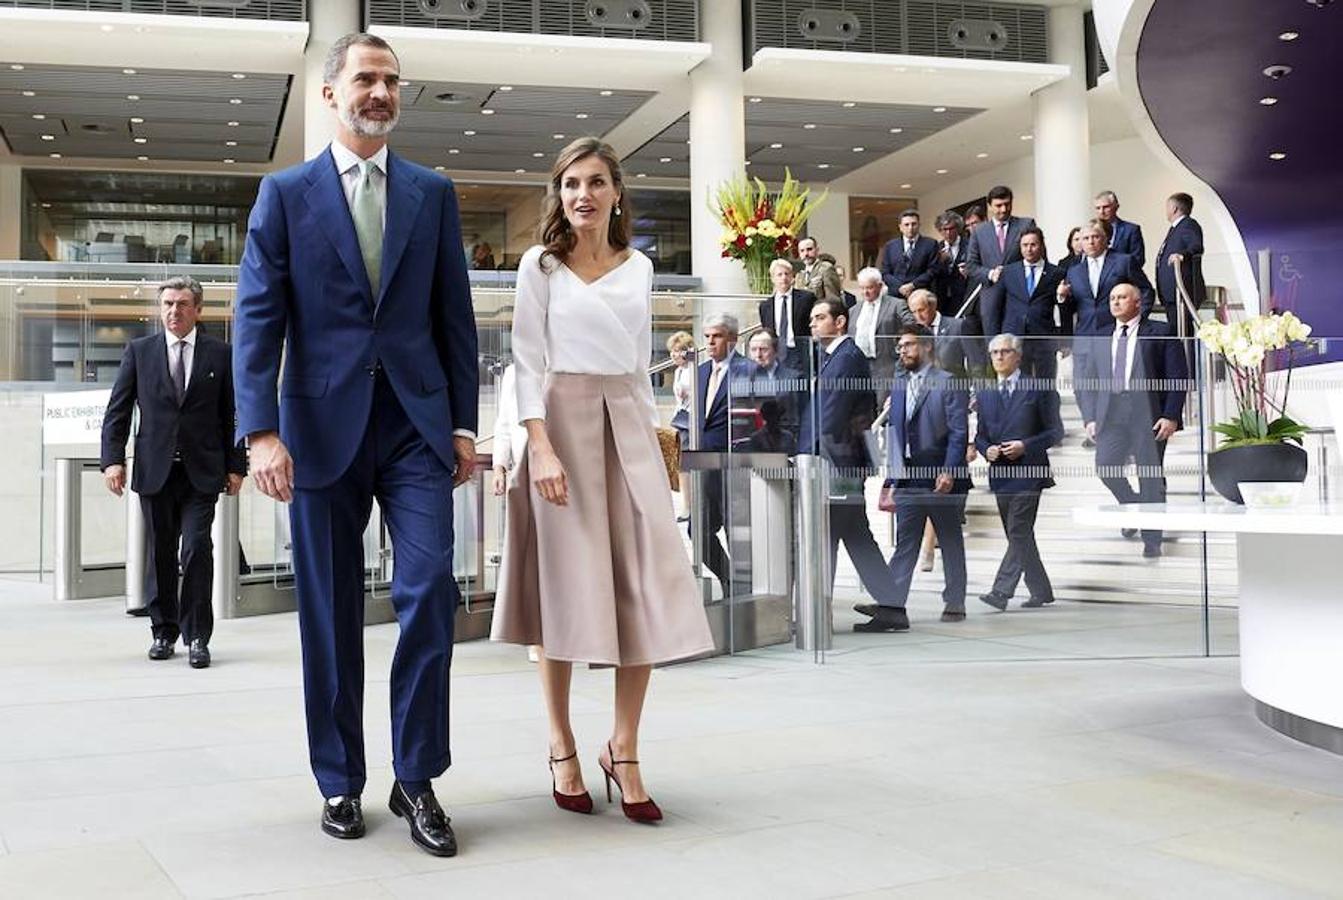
548, 475
499, 482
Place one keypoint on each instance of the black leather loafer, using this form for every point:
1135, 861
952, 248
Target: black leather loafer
953, 614
343, 819
1037, 602
430, 827
162, 648
199, 655
994, 599
885, 618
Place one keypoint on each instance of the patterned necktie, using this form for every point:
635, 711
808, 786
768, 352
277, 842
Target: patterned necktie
1005, 390
180, 373
367, 216
1002, 236
1121, 360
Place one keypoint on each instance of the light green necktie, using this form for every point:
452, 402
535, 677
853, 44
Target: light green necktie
368, 225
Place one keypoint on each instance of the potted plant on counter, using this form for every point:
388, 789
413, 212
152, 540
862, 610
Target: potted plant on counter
760, 227
1261, 443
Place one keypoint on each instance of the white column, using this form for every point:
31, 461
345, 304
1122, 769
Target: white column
1062, 135
717, 140
11, 211
328, 21
829, 224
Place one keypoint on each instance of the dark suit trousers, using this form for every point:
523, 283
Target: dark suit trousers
414, 490
914, 507
179, 512
1040, 359
1127, 434
711, 548
849, 523
1018, 512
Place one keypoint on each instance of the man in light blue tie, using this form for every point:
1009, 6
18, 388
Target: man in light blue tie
354, 272
1030, 287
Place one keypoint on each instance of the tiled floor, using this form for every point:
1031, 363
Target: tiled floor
987, 760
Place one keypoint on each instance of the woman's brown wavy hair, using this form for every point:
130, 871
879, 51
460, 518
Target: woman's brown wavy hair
555, 233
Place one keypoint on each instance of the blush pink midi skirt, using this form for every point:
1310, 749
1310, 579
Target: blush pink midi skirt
606, 579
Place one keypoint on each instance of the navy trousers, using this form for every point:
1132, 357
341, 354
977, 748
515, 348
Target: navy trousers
914, 508
414, 489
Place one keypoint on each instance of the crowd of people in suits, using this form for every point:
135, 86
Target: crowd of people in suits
951, 352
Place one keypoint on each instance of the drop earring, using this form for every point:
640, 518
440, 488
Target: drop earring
618, 212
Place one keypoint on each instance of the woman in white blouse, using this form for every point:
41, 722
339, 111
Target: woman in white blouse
593, 568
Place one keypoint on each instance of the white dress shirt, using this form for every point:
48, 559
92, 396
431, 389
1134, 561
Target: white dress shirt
561, 324
865, 328
1010, 382
348, 164
783, 312
1094, 266
1132, 348
1032, 272
176, 347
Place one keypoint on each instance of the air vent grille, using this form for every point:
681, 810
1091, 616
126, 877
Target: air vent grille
263, 10
667, 20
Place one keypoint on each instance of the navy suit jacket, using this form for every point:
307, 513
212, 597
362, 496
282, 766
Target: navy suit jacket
1126, 237
1158, 363
1185, 238
802, 304
938, 433
788, 387
920, 267
841, 409
1026, 312
983, 253
303, 290
201, 428
950, 283
715, 433
1030, 416
951, 346
1093, 312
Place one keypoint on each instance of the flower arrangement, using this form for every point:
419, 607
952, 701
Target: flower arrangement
760, 227
1261, 407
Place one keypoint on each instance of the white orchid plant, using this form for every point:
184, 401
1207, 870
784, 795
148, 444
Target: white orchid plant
1261, 404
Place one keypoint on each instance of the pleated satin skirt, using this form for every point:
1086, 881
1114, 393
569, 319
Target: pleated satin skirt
606, 579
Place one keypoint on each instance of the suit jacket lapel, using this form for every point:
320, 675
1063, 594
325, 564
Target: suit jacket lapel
196, 366
326, 199
404, 197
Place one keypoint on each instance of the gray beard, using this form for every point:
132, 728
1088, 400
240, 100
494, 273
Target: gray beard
367, 128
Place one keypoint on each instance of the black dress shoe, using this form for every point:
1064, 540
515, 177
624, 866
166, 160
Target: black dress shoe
885, 618
430, 828
1129, 533
953, 614
344, 818
199, 655
1037, 602
994, 599
867, 609
162, 648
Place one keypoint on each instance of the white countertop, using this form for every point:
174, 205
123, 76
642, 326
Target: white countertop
1216, 515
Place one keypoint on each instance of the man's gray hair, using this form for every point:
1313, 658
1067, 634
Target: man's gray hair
1109, 197
950, 217
184, 283
780, 263
725, 321
922, 295
1011, 340
869, 275
335, 57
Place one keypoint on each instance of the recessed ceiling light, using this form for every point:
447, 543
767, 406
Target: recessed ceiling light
859, 149
232, 124
132, 96
776, 146
606, 93
1028, 137
756, 99
143, 158
537, 155
809, 126
39, 116
239, 75
905, 187
519, 171
136, 120
140, 140
939, 109
848, 104
664, 159
941, 171
640, 175
747, 163
981, 156
1289, 36
48, 137
1277, 155
29, 93
54, 155
505, 87
487, 112
235, 101
823, 165
558, 137
230, 143
128, 72
453, 151
1267, 101
46, 206
896, 130
17, 67
104, 28
469, 133
228, 161
580, 115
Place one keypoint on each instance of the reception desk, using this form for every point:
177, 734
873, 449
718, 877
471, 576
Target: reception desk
1291, 603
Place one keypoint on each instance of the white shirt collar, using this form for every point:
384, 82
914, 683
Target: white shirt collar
347, 159
171, 339
1097, 260
834, 344
1131, 323
1177, 220
1010, 379
937, 320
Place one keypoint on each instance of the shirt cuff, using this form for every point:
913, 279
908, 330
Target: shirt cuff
463, 432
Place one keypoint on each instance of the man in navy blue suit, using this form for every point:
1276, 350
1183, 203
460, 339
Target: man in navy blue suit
1125, 237
1030, 286
835, 427
994, 243
725, 375
927, 432
1132, 395
1182, 248
910, 262
354, 273
1087, 285
1018, 423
